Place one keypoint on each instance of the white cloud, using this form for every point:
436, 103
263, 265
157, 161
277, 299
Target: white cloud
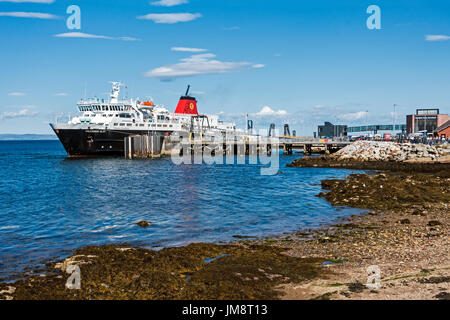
352, 116
258, 66
61, 94
169, 3
24, 113
35, 15
183, 49
397, 115
127, 39
437, 37
29, 1
337, 114
268, 111
81, 35
170, 18
92, 36
16, 94
195, 65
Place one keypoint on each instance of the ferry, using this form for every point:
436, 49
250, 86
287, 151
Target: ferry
102, 126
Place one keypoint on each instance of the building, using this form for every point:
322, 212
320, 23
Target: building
329, 130
443, 131
425, 120
377, 128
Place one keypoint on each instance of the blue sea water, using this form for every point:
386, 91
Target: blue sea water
50, 205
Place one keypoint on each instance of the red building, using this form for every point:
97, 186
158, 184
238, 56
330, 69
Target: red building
425, 120
443, 131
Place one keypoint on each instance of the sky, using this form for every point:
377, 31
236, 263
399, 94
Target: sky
295, 62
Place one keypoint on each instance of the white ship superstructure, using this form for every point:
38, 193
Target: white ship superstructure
102, 125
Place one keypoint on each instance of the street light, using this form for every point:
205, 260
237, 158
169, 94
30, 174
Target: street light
393, 129
367, 120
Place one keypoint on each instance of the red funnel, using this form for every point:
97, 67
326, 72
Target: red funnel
187, 104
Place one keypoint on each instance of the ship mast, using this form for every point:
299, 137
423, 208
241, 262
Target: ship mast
115, 92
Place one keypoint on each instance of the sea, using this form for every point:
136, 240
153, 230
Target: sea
51, 204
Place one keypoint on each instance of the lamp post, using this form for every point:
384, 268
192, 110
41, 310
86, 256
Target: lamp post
394, 115
367, 121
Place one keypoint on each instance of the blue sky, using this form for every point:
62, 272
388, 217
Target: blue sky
297, 62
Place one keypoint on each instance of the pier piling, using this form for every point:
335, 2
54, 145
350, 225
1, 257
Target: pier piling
144, 146
156, 145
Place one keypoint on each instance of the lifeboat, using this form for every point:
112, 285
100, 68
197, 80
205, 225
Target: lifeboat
147, 103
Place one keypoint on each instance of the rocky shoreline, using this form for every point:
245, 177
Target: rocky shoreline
410, 248
388, 151
404, 233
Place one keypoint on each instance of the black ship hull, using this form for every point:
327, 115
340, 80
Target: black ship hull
85, 143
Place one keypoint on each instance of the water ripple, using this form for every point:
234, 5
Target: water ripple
50, 205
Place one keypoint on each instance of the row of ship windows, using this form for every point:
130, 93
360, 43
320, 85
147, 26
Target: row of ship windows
148, 125
123, 115
142, 125
137, 125
104, 108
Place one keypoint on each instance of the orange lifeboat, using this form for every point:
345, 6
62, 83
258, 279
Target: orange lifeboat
148, 103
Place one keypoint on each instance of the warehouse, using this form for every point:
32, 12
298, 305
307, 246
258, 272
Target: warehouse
329, 130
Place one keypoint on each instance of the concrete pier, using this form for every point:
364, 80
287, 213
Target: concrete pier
152, 146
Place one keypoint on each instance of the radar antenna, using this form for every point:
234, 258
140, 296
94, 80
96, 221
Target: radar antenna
115, 91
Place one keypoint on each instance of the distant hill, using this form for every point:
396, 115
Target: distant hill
17, 137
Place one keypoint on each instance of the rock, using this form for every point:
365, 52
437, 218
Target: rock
242, 237
405, 221
433, 223
443, 296
356, 287
435, 280
144, 224
418, 213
